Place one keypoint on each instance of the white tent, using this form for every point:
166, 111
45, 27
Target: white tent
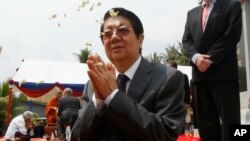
39, 79
186, 70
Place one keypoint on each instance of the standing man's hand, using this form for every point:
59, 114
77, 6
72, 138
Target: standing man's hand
102, 77
203, 62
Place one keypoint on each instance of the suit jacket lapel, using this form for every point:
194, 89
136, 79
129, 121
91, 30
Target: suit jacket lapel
199, 17
217, 6
140, 80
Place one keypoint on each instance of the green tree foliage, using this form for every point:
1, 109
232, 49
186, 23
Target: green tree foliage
175, 53
3, 109
4, 99
83, 55
15, 109
155, 58
4, 90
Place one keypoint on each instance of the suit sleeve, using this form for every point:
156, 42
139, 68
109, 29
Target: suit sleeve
187, 41
227, 43
59, 108
89, 122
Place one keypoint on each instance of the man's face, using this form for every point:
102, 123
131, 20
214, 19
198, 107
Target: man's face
58, 93
38, 122
28, 122
120, 41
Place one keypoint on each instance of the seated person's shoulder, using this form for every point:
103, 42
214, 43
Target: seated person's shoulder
172, 72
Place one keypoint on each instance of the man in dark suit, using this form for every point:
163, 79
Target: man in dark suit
211, 35
149, 108
67, 111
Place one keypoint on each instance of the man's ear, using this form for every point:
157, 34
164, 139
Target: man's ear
141, 38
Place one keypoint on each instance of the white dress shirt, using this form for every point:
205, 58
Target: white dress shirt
16, 125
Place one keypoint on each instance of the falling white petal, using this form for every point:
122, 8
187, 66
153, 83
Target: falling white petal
100, 21
21, 82
99, 4
113, 13
53, 16
39, 82
92, 7
1, 48
78, 9
84, 3
88, 44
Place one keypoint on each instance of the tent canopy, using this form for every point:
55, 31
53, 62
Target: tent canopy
186, 70
39, 79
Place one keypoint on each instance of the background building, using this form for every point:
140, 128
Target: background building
244, 63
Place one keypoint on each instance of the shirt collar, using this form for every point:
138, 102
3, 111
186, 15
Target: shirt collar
131, 70
210, 3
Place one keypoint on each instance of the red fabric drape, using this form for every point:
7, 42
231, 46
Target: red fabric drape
36, 93
41, 92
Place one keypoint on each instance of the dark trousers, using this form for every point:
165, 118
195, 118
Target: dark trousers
23, 137
61, 129
63, 122
217, 107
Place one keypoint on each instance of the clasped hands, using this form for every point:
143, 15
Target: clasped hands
203, 62
28, 124
102, 76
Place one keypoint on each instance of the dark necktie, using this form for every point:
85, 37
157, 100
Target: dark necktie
121, 82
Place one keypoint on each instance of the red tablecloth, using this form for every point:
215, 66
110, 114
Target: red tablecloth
187, 138
32, 139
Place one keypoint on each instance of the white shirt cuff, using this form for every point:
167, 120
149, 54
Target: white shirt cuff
98, 103
194, 58
110, 97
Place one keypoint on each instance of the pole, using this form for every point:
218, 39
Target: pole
7, 121
29, 104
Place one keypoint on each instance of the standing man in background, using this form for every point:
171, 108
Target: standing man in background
67, 111
211, 35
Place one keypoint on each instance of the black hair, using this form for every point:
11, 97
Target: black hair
133, 19
173, 64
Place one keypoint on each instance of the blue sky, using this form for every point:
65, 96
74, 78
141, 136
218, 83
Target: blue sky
27, 32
